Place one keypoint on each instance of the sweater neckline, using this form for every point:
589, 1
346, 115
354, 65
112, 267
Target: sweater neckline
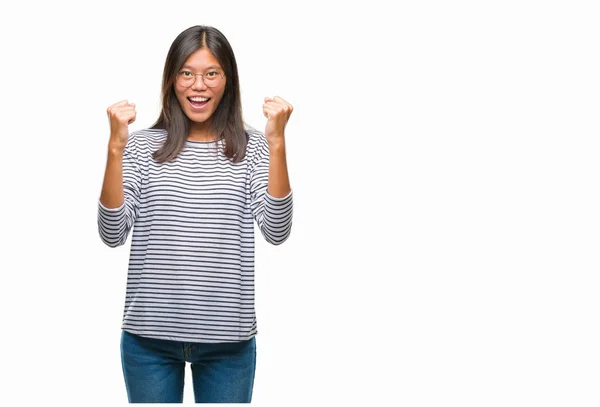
193, 143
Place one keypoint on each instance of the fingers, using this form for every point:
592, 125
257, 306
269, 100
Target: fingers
122, 112
132, 119
276, 109
280, 100
120, 116
123, 105
125, 116
277, 101
269, 111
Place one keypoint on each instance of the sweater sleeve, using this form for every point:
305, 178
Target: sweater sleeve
273, 215
114, 224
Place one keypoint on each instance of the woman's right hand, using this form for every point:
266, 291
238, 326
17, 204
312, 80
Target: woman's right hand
120, 115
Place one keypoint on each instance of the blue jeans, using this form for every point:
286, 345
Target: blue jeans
154, 369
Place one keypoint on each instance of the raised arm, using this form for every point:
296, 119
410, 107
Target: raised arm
118, 205
272, 194
273, 211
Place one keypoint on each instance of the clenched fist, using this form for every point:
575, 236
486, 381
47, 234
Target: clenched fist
278, 112
120, 115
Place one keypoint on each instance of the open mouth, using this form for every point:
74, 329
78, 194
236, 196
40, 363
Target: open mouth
198, 103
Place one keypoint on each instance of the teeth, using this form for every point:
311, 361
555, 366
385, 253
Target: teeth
198, 99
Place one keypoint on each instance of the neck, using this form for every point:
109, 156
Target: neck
201, 132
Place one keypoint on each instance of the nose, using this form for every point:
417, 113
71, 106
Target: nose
199, 83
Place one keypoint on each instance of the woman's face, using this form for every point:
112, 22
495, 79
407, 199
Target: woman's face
202, 62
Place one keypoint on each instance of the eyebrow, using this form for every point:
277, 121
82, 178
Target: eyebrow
208, 67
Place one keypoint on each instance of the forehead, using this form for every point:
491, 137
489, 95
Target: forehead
201, 59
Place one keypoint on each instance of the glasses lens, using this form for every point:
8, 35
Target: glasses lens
185, 79
212, 80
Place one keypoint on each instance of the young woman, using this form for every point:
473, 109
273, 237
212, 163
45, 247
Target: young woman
191, 186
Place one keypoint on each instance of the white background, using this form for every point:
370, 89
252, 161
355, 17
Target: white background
444, 162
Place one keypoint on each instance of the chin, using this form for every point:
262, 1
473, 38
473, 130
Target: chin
198, 117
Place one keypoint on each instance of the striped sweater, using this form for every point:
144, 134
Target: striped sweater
191, 265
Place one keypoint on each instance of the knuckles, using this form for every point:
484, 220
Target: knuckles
118, 113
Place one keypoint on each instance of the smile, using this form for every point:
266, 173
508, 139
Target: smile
198, 103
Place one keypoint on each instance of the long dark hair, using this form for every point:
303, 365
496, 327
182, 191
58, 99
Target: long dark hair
227, 121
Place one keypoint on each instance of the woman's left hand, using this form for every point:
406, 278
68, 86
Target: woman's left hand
278, 112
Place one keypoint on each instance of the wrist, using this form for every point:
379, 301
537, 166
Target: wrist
115, 150
277, 145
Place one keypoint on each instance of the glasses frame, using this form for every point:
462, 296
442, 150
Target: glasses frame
196, 75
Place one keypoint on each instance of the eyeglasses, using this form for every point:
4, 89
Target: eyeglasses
211, 78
